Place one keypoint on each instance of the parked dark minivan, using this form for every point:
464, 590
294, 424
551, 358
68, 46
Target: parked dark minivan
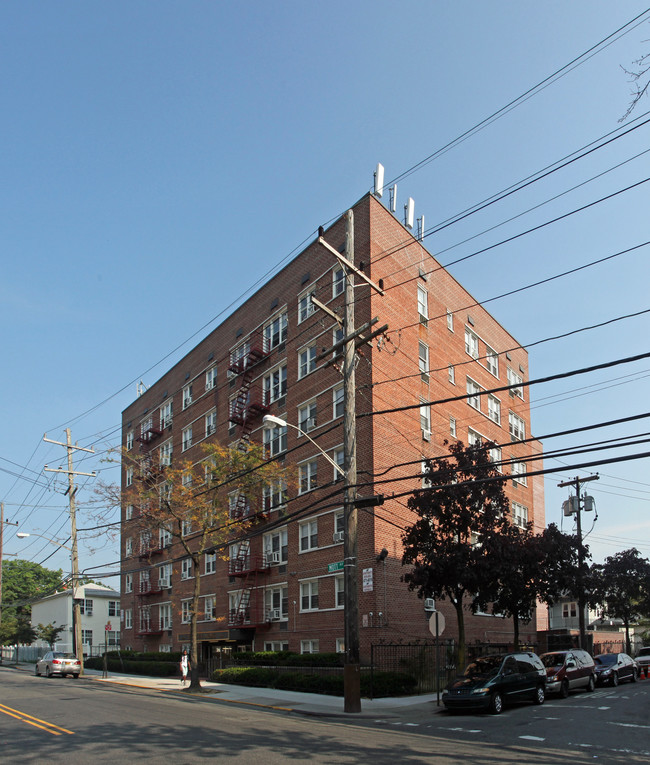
490, 681
568, 670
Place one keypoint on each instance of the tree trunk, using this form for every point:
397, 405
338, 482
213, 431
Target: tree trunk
628, 645
195, 683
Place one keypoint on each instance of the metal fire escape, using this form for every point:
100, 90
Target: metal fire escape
249, 403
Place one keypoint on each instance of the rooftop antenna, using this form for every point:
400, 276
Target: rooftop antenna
141, 388
409, 212
420, 222
393, 197
379, 181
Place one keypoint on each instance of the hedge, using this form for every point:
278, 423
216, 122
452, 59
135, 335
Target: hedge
287, 659
383, 683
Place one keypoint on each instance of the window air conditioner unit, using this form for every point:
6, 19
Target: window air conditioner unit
338, 536
426, 435
429, 604
274, 614
275, 557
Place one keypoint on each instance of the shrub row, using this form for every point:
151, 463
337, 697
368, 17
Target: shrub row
134, 667
287, 659
383, 683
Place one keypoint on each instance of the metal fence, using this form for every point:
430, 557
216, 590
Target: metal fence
432, 664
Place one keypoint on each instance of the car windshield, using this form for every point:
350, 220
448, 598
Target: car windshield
552, 660
488, 665
606, 659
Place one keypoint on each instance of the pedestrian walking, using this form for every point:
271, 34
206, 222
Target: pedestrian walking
185, 666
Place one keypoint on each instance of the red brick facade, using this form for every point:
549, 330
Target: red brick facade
450, 327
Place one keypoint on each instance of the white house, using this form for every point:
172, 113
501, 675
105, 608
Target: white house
100, 617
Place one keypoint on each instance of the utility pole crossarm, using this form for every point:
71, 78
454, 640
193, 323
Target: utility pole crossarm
68, 472
346, 262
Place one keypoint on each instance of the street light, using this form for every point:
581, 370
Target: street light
271, 419
76, 611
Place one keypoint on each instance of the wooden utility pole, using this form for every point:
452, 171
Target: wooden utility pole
76, 606
351, 340
577, 482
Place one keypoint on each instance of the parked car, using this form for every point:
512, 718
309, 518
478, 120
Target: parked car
491, 681
568, 670
614, 668
58, 663
643, 659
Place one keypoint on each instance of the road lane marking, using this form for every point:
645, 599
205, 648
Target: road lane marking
533, 738
55, 730
630, 725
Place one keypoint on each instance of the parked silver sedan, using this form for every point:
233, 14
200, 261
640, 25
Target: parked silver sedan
58, 663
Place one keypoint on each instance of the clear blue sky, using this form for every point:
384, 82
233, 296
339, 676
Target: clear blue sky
159, 158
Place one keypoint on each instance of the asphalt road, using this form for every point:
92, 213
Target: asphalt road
66, 722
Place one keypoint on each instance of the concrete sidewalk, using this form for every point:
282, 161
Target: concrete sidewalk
287, 701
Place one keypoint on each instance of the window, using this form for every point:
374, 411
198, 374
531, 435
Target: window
495, 456
518, 472
308, 476
276, 603
452, 427
426, 478
186, 568
309, 646
423, 304
187, 396
423, 359
113, 607
211, 378
425, 421
275, 332
86, 607
129, 440
519, 515
452, 375
166, 414
337, 337
309, 595
338, 455
276, 645
471, 343
517, 427
339, 401
517, 380
209, 608
186, 527
87, 637
128, 547
275, 440
128, 512
339, 524
210, 563
275, 385
450, 320
491, 361
129, 476
211, 423
165, 616
305, 306
186, 611
128, 583
166, 451
309, 535
239, 359
276, 547
128, 619
238, 505
307, 416
306, 361
340, 645
338, 281
187, 437
165, 576
240, 557
473, 389
474, 438
274, 495
569, 610
494, 409
339, 591
164, 536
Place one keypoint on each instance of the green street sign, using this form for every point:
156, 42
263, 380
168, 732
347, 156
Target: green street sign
335, 567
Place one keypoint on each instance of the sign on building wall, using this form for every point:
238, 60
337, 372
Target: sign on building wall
367, 580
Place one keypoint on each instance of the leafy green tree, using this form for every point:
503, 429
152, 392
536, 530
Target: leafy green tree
16, 630
24, 582
49, 633
530, 567
621, 587
460, 510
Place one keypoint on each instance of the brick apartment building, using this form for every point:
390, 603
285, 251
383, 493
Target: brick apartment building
284, 589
